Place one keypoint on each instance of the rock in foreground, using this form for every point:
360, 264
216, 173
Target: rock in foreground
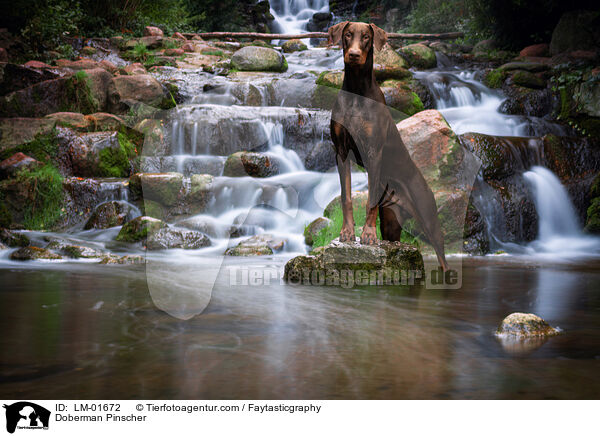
525, 325
353, 263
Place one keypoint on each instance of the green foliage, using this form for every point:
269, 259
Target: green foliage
495, 78
140, 51
46, 197
213, 53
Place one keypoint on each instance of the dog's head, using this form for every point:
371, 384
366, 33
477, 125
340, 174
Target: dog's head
357, 40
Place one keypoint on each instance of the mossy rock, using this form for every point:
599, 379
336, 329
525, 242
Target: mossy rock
332, 79
139, 228
110, 214
34, 253
14, 239
388, 58
525, 325
293, 45
419, 56
254, 58
495, 78
163, 188
527, 80
245, 163
168, 237
314, 228
400, 96
592, 223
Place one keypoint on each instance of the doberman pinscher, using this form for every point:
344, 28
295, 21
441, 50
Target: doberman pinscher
362, 130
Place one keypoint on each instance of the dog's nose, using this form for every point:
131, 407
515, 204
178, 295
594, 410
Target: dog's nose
354, 54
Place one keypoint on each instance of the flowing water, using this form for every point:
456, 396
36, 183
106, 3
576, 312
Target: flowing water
78, 330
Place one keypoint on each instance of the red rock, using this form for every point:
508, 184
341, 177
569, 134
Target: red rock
3, 55
18, 161
197, 38
108, 66
188, 47
174, 52
536, 50
81, 64
36, 64
153, 31
178, 35
135, 68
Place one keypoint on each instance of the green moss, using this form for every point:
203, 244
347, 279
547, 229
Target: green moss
592, 224
115, 162
46, 196
5, 215
495, 78
44, 147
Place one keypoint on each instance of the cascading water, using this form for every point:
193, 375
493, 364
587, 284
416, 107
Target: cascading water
469, 106
291, 16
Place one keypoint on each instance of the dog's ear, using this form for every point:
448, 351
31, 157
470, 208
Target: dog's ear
379, 37
335, 33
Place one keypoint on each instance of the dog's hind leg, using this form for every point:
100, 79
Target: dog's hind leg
391, 220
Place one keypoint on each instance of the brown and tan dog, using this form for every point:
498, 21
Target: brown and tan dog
362, 130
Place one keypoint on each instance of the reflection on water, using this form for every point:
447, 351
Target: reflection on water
76, 332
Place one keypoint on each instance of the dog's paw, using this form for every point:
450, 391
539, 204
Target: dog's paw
347, 235
369, 236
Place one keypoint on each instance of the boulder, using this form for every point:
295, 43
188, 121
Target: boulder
314, 228
81, 64
74, 251
141, 88
13, 238
527, 80
388, 58
259, 245
200, 192
153, 31
73, 120
17, 162
36, 64
400, 96
14, 77
139, 229
576, 30
112, 259
169, 237
108, 66
163, 188
525, 325
174, 52
252, 58
135, 68
293, 45
180, 36
419, 56
245, 163
587, 97
34, 253
102, 121
332, 79
111, 214
99, 154
17, 131
353, 263
536, 50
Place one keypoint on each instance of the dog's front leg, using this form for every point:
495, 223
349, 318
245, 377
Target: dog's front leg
344, 170
369, 233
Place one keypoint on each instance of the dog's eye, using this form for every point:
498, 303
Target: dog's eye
365, 37
348, 35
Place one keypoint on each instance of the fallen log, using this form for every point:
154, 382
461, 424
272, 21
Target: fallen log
253, 35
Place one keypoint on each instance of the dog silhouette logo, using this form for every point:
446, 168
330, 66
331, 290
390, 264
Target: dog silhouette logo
26, 415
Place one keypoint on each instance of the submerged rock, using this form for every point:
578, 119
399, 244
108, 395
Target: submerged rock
525, 325
259, 245
139, 228
346, 263
34, 253
252, 58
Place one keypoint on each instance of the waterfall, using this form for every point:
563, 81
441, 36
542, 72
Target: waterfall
559, 232
291, 16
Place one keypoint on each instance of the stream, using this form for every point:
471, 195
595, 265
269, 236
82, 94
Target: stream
84, 331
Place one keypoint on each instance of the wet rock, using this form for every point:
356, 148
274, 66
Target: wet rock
143, 88
200, 193
592, 222
353, 263
525, 325
74, 251
576, 30
321, 157
536, 50
244, 163
122, 260
587, 97
99, 154
319, 22
253, 58
111, 214
388, 58
314, 228
163, 188
188, 47
13, 238
169, 237
34, 253
17, 162
528, 80
333, 79
152, 31
527, 101
419, 56
359, 200
139, 229
293, 45
259, 245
